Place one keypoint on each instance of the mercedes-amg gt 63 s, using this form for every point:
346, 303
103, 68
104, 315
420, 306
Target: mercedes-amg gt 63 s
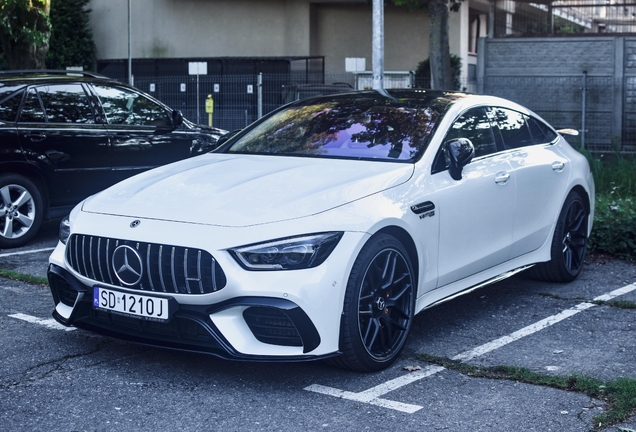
319, 231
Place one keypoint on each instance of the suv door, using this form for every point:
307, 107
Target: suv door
141, 132
475, 213
59, 133
10, 99
541, 172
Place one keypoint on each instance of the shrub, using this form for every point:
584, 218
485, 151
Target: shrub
614, 229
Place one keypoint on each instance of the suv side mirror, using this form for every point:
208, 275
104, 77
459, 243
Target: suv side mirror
177, 119
461, 151
224, 138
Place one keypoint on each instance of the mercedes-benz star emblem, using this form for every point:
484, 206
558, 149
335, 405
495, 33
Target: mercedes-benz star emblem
127, 265
380, 303
135, 223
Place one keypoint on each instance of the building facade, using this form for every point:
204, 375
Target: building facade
332, 29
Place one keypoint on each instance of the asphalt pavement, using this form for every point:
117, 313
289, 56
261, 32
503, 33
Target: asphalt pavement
58, 379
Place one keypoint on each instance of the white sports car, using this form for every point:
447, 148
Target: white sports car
319, 231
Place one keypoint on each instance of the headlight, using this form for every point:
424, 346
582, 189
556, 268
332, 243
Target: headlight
65, 229
291, 253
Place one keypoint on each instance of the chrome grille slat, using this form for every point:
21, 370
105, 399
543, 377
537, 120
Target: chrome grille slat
185, 271
214, 273
152, 285
76, 252
201, 273
99, 258
84, 255
174, 281
90, 256
110, 275
163, 284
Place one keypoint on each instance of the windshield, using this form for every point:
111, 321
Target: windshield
371, 128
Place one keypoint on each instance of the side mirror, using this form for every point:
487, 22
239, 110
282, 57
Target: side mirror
461, 151
177, 118
227, 136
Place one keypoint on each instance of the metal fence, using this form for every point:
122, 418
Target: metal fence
602, 109
588, 104
238, 100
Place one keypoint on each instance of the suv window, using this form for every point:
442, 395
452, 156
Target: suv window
513, 127
32, 111
66, 103
9, 104
125, 107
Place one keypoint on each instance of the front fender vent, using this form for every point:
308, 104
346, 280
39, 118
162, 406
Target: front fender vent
163, 268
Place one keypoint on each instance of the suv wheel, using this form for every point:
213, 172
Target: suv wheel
21, 210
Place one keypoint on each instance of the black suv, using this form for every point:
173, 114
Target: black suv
67, 135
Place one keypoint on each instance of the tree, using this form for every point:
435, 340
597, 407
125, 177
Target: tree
439, 45
71, 37
25, 28
423, 73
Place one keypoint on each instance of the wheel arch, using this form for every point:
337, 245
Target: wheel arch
405, 238
583, 193
33, 174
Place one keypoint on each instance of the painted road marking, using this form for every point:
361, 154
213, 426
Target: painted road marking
372, 395
49, 323
26, 252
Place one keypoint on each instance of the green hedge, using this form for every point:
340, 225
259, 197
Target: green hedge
614, 229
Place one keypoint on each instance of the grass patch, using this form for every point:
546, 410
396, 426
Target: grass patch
620, 394
613, 173
621, 304
34, 280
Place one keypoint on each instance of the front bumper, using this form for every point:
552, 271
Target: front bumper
271, 321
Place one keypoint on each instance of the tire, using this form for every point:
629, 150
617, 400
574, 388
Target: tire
21, 210
378, 306
568, 244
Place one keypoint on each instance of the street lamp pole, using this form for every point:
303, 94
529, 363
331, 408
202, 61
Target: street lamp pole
378, 44
130, 78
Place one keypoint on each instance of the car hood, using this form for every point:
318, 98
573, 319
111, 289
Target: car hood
244, 190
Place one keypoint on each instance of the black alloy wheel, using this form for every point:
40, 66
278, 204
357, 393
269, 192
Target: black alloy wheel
379, 306
568, 244
574, 237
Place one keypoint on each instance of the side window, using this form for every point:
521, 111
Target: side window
125, 107
513, 127
541, 133
32, 111
66, 103
9, 105
475, 126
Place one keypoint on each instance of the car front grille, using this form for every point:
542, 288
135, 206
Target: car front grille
161, 268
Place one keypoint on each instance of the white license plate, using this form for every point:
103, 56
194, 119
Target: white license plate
153, 308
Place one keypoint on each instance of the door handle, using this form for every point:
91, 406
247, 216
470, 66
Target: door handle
558, 166
36, 137
502, 178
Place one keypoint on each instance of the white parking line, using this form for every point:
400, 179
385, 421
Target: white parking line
372, 395
49, 323
26, 252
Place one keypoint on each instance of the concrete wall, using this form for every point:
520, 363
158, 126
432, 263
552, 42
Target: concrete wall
265, 28
191, 28
547, 76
